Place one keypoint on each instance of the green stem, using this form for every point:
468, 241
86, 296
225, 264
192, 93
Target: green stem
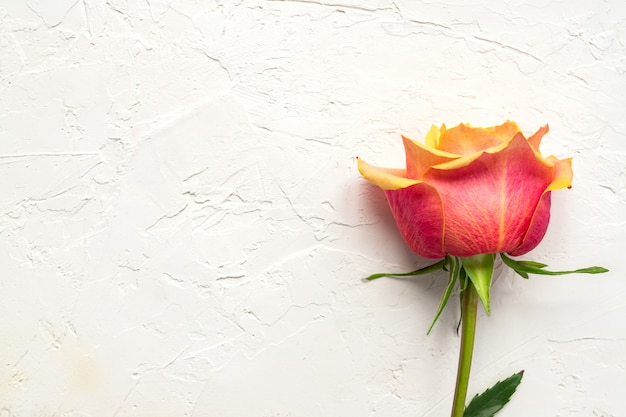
468, 314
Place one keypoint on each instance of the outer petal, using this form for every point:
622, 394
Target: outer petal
562, 174
418, 212
537, 228
539, 223
432, 137
535, 139
419, 157
385, 178
415, 205
489, 203
466, 140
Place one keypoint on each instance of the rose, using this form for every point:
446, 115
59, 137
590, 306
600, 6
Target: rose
467, 194
471, 191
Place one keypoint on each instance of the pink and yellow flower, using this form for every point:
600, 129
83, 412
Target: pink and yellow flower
470, 191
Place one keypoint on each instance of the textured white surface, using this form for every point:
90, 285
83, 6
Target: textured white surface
184, 231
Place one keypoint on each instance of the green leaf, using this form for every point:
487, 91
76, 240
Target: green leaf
491, 401
426, 270
479, 268
529, 267
454, 273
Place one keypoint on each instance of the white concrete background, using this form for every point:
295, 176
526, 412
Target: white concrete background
184, 231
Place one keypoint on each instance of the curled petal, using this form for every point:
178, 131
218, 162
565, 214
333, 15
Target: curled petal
466, 140
539, 224
537, 228
432, 137
385, 178
535, 139
562, 174
419, 158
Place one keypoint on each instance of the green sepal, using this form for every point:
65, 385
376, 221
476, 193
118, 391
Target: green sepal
530, 264
528, 267
533, 264
454, 273
492, 400
463, 283
462, 279
479, 268
521, 274
422, 271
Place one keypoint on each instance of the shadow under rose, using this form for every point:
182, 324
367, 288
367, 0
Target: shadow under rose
428, 288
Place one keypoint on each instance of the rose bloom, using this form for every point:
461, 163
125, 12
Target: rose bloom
470, 191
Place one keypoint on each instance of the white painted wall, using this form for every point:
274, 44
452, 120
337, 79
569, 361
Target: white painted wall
184, 231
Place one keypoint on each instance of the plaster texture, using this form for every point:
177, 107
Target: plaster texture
184, 232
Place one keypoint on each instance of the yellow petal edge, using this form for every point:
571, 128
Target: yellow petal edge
385, 178
563, 174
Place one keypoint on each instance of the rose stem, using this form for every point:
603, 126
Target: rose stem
468, 317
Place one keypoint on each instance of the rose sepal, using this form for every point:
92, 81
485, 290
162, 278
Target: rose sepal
453, 265
523, 268
422, 271
479, 269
